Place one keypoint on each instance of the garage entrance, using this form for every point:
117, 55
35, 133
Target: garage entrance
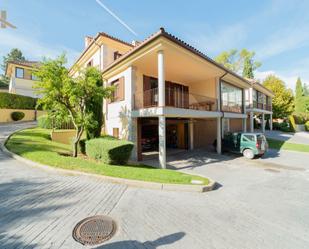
177, 137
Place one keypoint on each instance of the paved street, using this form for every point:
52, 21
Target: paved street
256, 205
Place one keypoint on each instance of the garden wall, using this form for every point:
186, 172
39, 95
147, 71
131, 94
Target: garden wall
63, 136
5, 114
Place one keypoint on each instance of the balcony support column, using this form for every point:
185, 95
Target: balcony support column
251, 122
263, 122
219, 134
271, 122
191, 135
162, 142
161, 79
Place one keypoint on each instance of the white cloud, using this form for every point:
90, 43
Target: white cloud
32, 48
282, 41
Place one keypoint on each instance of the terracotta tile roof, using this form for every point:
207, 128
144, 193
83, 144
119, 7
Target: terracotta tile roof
25, 63
180, 42
94, 39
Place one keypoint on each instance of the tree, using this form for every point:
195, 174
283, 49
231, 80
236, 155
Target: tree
95, 106
283, 101
248, 69
306, 89
299, 89
14, 55
69, 97
241, 62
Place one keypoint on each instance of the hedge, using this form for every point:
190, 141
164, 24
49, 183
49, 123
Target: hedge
307, 126
292, 123
46, 122
109, 151
16, 116
15, 101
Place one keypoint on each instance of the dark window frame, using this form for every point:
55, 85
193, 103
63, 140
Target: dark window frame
23, 70
221, 97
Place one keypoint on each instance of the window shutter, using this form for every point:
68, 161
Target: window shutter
121, 89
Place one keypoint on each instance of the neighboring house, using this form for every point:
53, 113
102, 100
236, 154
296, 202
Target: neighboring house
168, 94
21, 77
259, 102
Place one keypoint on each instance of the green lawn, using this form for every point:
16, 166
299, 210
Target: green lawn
276, 144
34, 144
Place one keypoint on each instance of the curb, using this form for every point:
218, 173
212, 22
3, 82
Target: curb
133, 183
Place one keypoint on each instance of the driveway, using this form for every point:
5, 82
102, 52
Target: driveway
298, 137
254, 207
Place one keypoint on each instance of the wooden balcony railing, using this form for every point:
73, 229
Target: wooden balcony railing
175, 98
259, 106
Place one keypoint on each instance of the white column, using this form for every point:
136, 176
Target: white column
161, 78
162, 142
219, 135
244, 121
271, 122
132, 137
244, 124
263, 122
191, 135
251, 122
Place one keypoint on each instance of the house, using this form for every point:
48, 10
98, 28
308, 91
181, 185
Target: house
168, 94
259, 103
21, 77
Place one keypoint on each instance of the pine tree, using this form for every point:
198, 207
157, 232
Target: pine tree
299, 92
248, 69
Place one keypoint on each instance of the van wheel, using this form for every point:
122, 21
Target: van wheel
247, 153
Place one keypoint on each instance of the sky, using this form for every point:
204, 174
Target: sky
278, 31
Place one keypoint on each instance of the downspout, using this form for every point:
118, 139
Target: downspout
222, 116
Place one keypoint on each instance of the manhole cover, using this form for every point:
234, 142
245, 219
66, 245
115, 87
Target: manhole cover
94, 230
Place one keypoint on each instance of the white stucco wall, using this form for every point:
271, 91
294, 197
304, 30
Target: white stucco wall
22, 87
119, 113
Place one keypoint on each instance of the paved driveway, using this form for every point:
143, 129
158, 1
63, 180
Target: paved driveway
298, 137
253, 208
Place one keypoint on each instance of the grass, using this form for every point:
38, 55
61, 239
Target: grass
34, 144
277, 144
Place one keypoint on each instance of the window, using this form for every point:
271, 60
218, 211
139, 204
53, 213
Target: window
19, 72
90, 63
118, 93
248, 138
116, 55
116, 132
33, 77
231, 98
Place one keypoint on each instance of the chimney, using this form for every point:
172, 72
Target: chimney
135, 43
88, 40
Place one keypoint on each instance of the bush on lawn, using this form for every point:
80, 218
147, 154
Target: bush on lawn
82, 146
47, 122
15, 101
109, 151
16, 116
292, 123
307, 126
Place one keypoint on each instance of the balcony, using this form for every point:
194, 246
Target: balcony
175, 98
262, 106
232, 107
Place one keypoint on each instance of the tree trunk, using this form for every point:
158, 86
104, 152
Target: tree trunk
79, 132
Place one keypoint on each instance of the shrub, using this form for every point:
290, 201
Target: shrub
110, 151
307, 126
292, 123
47, 122
16, 116
44, 122
82, 146
15, 101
